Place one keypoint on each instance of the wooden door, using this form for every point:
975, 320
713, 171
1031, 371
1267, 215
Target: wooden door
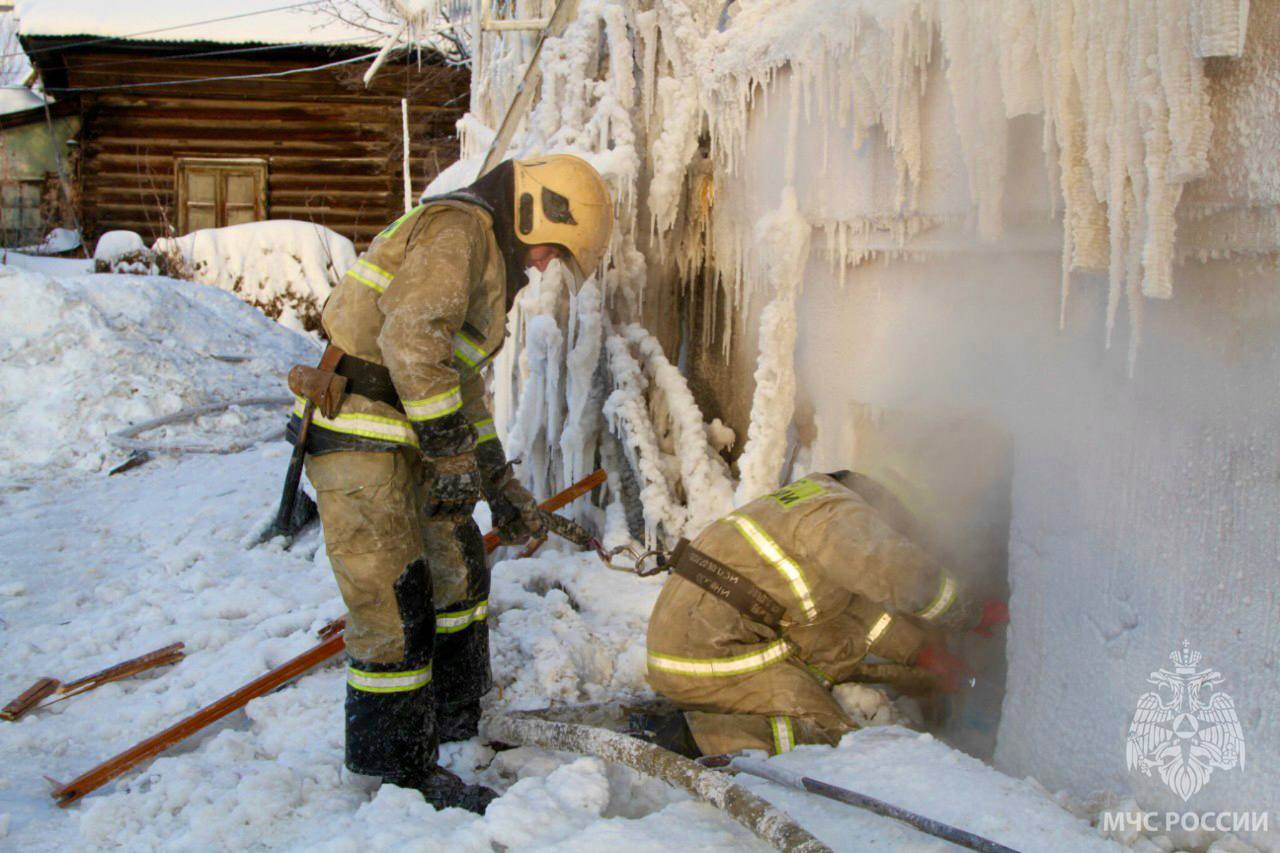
215, 193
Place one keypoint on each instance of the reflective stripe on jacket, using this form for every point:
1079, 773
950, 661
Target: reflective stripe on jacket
850, 583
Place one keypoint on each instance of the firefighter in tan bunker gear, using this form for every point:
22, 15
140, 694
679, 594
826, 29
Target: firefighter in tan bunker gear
830, 579
399, 467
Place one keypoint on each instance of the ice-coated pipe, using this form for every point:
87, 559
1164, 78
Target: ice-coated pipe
772, 825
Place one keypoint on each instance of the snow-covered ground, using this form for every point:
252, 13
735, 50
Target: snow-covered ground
81, 358
96, 569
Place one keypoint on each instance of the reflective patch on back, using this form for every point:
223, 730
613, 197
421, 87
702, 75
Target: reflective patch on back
798, 492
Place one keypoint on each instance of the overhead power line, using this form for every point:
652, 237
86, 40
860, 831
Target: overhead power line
284, 73
258, 48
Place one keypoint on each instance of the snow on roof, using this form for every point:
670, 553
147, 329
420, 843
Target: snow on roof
239, 21
17, 98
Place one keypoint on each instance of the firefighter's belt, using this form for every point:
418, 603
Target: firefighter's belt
724, 583
369, 380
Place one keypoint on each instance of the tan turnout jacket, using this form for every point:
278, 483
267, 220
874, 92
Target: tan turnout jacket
428, 301
844, 575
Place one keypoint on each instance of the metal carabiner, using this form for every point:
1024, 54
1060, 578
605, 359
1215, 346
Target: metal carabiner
637, 559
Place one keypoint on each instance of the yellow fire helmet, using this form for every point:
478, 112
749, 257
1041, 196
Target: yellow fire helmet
561, 199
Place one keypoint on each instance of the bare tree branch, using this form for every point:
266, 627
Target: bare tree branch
447, 32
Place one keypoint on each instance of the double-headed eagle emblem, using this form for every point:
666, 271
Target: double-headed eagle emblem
1182, 736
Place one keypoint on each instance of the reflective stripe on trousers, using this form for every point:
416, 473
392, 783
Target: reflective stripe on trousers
388, 682
775, 652
762, 543
457, 620
784, 734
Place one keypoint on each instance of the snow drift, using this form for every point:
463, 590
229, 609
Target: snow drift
81, 358
285, 269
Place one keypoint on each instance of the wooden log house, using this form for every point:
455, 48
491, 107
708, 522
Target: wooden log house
165, 148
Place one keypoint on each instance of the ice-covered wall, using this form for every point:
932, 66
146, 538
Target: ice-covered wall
980, 206
1145, 506
1144, 511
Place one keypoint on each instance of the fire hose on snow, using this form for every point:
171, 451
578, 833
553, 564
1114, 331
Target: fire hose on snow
768, 823
127, 438
708, 779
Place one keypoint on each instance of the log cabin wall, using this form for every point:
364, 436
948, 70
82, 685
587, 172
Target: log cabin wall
333, 149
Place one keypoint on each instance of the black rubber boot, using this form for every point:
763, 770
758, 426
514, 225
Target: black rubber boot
444, 790
392, 732
665, 728
458, 722
462, 672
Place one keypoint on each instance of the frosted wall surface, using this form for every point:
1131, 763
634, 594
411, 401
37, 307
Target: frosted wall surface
1144, 510
1144, 507
977, 206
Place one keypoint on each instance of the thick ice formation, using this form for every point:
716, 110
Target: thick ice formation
533, 431
782, 241
684, 484
659, 95
1079, 63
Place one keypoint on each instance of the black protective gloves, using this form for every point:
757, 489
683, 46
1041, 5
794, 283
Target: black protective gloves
449, 445
514, 511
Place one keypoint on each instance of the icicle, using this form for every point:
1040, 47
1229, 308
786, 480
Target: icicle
1133, 291
629, 421
704, 477
1065, 289
781, 248
584, 395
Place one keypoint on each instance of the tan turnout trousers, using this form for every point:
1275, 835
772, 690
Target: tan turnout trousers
371, 510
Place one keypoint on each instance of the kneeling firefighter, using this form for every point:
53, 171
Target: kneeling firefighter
400, 447
772, 605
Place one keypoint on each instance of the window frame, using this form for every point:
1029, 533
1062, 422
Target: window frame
220, 167
21, 233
